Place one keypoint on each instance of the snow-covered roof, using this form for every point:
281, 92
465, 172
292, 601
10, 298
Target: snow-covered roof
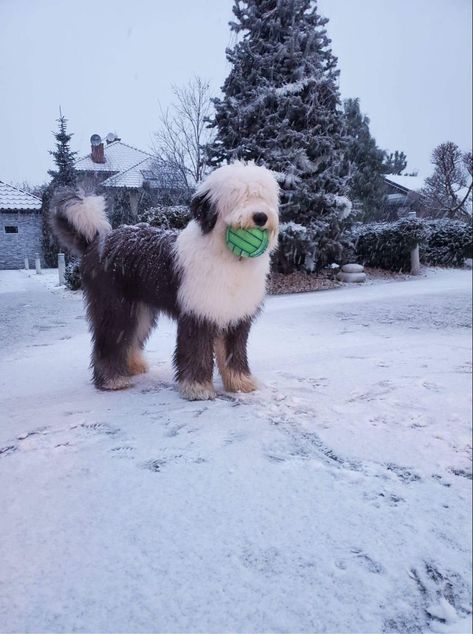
131, 168
119, 157
157, 174
14, 198
132, 177
412, 183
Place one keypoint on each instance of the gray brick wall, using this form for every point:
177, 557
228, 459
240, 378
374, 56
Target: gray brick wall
14, 247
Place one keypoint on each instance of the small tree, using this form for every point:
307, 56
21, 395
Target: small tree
183, 132
448, 190
64, 175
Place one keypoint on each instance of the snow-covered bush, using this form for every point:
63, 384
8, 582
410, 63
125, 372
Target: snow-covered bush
72, 275
323, 241
388, 245
448, 243
164, 217
296, 250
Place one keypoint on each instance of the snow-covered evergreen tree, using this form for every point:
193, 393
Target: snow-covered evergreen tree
281, 107
395, 163
364, 161
64, 175
64, 157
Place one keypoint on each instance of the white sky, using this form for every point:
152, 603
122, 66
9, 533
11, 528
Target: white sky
108, 62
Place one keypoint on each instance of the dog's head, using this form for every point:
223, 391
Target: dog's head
240, 195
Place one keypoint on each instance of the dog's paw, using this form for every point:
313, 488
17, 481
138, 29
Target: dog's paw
197, 391
117, 383
137, 363
237, 382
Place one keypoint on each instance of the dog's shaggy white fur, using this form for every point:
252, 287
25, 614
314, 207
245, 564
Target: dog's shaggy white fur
215, 284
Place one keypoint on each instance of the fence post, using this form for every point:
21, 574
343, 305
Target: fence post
415, 261
415, 257
61, 267
27, 264
37, 263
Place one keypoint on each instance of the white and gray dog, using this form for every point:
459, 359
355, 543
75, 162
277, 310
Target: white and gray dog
131, 274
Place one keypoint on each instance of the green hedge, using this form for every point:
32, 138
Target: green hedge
388, 245
448, 243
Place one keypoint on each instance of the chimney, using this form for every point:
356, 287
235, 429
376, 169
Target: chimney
96, 149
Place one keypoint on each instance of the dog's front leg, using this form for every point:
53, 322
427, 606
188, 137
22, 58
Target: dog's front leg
232, 358
194, 358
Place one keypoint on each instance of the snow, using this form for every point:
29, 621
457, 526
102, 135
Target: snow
294, 87
335, 499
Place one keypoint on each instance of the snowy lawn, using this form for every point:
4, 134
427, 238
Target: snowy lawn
336, 499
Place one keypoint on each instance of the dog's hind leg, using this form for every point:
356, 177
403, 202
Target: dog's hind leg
194, 358
145, 321
113, 325
232, 358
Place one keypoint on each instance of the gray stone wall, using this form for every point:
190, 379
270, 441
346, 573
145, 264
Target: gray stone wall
14, 247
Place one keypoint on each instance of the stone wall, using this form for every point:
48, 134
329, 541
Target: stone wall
14, 247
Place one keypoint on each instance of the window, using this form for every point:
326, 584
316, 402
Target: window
11, 228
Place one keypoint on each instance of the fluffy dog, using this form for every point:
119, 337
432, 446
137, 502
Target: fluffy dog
131, 274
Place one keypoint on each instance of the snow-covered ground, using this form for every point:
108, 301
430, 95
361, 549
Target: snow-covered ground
336, 499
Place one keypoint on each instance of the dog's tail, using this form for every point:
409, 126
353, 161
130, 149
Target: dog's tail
77, 219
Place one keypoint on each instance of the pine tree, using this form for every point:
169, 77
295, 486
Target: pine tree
364, 162
281, 108
64, 175
64, 157
395, 163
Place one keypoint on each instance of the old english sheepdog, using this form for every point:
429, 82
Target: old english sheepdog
131, 274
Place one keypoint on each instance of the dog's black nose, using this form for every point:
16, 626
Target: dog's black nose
260, 218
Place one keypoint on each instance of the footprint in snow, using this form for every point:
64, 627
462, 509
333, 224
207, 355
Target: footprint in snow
99, 428
432, 387
462, 473
126, 451
6, 451
403, 473
444, 596
235, 436
158, 464
367, 562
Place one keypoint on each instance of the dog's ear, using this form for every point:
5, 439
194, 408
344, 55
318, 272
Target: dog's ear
204, 211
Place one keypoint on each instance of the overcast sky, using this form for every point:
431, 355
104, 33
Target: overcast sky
108, 62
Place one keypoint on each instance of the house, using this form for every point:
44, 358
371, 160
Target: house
20, 228
116, 167
402, 195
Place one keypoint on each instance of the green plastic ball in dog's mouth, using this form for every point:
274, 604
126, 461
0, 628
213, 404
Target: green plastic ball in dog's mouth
247, 243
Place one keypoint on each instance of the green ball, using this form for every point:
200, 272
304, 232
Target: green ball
247, 243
